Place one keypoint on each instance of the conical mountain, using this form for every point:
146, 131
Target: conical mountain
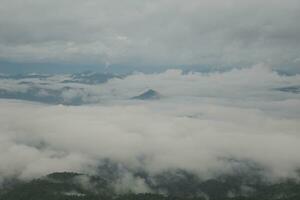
149, 95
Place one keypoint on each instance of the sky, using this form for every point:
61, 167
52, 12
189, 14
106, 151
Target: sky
144, 35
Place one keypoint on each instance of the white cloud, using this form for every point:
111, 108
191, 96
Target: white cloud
203, 118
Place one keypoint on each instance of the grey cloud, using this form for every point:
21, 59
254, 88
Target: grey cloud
203, 119
255, 85
222, 33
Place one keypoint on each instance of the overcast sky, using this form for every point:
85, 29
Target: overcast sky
150, 33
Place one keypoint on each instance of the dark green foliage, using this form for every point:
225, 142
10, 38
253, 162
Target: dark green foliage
177, 185
55, 186
63, 176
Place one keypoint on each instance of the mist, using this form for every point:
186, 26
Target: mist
202, 121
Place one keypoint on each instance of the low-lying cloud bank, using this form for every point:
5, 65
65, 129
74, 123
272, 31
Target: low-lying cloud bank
203, 121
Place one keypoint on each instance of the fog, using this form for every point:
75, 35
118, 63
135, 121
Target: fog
201, 122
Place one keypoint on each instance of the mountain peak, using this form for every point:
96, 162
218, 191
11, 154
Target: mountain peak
148, 95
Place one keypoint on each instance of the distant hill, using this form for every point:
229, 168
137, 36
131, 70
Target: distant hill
292, 89
69, 89
148, 95
176, 185
90, 78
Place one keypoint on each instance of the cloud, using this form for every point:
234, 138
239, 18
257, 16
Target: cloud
130, 183
203, 120
152, 33
256, 83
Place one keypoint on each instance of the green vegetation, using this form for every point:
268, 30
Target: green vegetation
179, 186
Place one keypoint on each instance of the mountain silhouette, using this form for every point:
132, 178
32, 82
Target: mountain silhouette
148, 95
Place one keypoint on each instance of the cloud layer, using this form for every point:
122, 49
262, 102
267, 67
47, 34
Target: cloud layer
202, 121
152, 33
